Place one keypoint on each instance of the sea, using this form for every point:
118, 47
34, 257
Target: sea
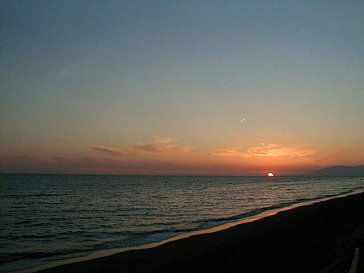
46, 219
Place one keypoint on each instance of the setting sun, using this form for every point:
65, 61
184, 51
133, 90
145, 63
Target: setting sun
270, 174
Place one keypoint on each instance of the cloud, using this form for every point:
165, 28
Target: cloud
267, 151
58, 158
158, 146
106, 150
233, 152
25, 158
275, 150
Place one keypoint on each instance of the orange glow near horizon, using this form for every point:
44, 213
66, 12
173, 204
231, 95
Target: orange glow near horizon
164, 156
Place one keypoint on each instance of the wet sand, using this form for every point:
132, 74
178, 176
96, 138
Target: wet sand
314, 238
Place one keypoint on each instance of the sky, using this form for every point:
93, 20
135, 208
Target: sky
181, 87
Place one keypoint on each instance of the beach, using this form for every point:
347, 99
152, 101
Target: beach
315, 238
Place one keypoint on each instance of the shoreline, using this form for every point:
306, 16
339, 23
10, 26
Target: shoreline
105, 256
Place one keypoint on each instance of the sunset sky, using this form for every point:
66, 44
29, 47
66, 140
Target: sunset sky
181, 87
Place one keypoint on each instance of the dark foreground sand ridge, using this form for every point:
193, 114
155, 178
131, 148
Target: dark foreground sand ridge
315, 238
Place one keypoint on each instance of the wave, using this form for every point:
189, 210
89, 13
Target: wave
222, 220
12, 257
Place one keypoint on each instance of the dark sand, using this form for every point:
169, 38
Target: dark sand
315, 238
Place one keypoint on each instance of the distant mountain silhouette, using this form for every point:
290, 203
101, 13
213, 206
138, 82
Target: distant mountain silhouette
340, 171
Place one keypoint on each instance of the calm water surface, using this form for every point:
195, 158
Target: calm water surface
45, 218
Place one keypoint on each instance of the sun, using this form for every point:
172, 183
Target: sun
270, 174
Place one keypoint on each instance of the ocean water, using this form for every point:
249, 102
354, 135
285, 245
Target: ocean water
47, 218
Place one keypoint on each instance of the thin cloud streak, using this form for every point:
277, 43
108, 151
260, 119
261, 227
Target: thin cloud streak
275, 150
106, 150
266, 151
230, 152
159, 146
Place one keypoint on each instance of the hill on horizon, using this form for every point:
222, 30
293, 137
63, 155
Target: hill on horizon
340, 171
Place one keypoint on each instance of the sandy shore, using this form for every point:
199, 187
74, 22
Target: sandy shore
315, 238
